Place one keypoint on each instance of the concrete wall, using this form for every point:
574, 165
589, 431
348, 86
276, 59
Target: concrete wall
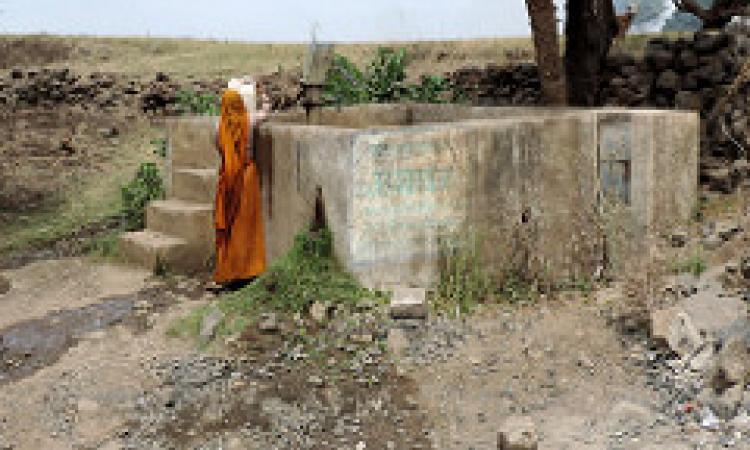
526, 181
519, 185
294, 161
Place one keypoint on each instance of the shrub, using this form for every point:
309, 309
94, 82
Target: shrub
147, 185
431, 90
192, 102
386, 75
345, 83
383, 81
307, 273
694, 265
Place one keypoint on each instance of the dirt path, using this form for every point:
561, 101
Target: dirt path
84, 397
560, 364
45, 286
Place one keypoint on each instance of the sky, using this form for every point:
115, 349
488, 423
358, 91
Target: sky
270, 20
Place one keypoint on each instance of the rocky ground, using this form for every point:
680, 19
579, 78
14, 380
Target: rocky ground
569, 371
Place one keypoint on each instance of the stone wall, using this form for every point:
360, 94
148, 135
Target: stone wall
517, 85
49, 88
685, 73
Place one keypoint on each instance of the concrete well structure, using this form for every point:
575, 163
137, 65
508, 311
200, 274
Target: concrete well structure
396, 179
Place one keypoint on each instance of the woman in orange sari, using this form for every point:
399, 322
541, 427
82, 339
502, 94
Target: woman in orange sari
238, 217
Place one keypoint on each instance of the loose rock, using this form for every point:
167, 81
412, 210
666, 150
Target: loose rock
517, 433
409, 303
268, 323
4, 284
319, 311
209, 324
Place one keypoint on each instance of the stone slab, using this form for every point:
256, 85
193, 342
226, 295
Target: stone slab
408, 303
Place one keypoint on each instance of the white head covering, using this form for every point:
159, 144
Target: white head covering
246, 87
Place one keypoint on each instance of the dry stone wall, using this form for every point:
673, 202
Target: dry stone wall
693, 73
48, 88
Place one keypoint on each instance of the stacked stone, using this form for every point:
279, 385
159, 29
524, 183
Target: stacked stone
517, 85
284, 89
626, 81
731, 133
684, 73
160, 96
51, 87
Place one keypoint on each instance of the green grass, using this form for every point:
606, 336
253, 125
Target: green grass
463, 281
307, 273
95, 198
694, 265
104, 246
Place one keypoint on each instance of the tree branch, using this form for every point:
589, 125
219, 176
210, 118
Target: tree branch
691, 7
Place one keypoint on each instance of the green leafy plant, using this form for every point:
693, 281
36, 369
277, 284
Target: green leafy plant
160, 147
695, 265
103, 246
432, 89
345, 83
386, 75
515, 289
383, 81
193, 102
147, 185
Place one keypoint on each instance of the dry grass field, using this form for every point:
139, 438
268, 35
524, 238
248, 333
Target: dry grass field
209, 59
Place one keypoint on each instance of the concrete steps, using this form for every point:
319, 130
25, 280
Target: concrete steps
179, 230
179, 218
192, 143
146, 248
194, 185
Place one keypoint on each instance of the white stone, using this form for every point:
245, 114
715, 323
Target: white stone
704, 314
517, 433
319, 312
409, 303
684, 337
741, 422
661, 320
210, 323
709, 419
269, 324
701, 361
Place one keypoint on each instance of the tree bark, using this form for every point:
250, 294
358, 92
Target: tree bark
547, 47
590, 28
718, 15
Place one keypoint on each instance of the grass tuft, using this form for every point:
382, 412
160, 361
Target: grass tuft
307, 273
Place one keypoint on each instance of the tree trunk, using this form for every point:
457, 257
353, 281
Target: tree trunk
591, 26
547, 47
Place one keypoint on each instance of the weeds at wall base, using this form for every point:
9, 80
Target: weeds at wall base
306, 274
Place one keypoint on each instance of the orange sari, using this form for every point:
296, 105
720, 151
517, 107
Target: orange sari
238, 217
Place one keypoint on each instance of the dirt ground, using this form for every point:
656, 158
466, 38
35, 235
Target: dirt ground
96, 382
561, 361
